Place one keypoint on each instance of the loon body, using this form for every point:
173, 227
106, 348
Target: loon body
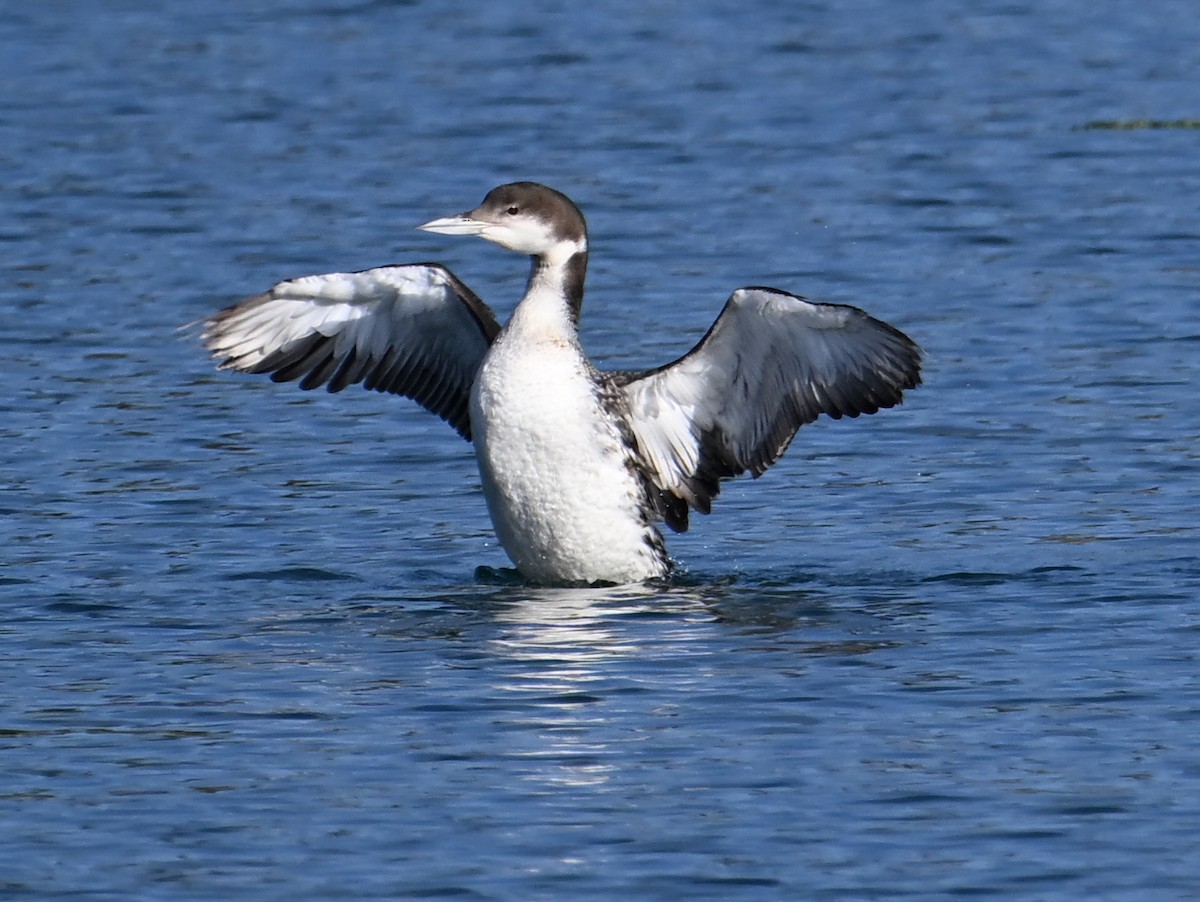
578, 466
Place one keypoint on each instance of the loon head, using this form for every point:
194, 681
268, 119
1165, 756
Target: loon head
524, 217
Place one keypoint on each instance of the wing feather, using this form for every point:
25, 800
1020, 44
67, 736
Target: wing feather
771, 363
413, 330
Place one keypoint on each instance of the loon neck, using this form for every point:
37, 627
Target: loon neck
560, 276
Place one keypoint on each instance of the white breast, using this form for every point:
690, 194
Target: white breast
564, 504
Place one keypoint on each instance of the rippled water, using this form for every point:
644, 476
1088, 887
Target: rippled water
259, 643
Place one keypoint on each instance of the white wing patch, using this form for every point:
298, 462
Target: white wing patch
770, 363
411, 330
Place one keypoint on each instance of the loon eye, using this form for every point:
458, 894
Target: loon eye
513, 210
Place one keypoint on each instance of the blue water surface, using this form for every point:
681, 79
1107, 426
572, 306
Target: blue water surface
261, 644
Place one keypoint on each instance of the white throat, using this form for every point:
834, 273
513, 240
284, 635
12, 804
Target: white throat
544, 313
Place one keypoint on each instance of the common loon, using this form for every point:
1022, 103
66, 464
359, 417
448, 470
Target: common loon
577, 465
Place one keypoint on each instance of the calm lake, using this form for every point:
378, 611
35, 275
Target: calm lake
261, 644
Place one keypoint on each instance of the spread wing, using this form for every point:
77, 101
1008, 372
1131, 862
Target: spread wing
410, 330
770, 363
